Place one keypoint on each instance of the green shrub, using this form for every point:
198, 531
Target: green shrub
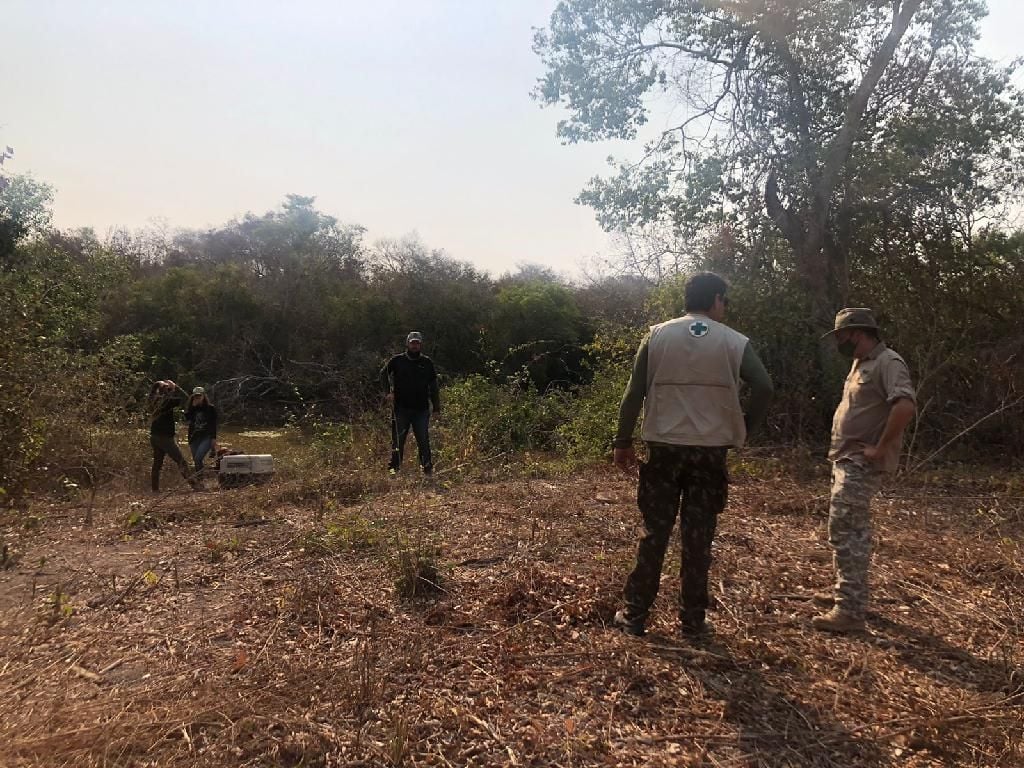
490, 418
347, 532
330, 440
587, 433
417, 572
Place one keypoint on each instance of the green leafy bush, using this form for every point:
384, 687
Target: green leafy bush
489, 417
417, 572
587, 433
67, 395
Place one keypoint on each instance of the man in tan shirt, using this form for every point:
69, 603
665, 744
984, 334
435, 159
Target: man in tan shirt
867, 435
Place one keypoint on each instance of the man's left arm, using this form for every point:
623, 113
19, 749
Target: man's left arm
432, 387
753, 372
899, 393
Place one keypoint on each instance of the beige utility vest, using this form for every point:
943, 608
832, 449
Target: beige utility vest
693, 384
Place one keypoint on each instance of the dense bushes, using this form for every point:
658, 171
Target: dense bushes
288, 317
497, 415
67, 395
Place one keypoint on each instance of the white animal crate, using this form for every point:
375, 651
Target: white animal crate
245, 469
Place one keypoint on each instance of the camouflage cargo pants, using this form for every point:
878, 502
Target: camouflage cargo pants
849, 531
698, 475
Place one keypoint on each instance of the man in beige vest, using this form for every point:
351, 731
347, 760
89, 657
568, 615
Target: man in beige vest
686, 376
867, 433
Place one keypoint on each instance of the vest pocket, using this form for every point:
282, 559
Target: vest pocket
682, 410
694, 414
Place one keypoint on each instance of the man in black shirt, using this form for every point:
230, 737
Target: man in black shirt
410, 386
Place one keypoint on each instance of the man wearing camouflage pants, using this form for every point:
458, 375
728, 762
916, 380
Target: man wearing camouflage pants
686, 376
867, 433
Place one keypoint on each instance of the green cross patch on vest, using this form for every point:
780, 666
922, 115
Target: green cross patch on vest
698, 329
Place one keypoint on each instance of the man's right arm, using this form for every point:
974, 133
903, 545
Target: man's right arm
385, 376
753, 372
633, 398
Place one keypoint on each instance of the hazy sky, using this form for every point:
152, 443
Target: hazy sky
397, 115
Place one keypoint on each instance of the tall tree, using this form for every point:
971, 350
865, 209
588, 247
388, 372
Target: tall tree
794, 111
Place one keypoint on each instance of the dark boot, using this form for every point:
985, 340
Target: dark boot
630, 626
693, 624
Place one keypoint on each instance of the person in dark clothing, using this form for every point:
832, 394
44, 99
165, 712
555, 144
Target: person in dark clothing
202, 428
164, 398
410, 387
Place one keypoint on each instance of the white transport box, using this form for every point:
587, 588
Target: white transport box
245, 468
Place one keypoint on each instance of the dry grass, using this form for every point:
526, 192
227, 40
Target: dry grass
240, 628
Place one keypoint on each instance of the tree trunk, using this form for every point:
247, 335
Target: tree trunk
822, 270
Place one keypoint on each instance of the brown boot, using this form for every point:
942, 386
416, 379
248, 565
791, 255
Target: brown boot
826, 599
838, 620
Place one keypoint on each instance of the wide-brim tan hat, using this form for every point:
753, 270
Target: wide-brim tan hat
854, 317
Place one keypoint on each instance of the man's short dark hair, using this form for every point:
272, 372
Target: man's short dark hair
701, 290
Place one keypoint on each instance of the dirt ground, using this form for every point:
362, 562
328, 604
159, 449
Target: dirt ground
264, 627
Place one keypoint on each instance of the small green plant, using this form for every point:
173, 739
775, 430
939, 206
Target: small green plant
218, 551
330, 438
59, 607
349, 533
417, 572
356, 534
7, 558
398, 746
139, 517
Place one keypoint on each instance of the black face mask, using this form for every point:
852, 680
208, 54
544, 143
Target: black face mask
412, 354
847, 348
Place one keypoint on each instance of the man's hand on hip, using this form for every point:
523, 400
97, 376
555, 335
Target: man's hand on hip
389, 398
873, 453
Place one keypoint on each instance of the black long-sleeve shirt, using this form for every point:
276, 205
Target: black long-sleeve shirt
413, 380
161, 414
202, 422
